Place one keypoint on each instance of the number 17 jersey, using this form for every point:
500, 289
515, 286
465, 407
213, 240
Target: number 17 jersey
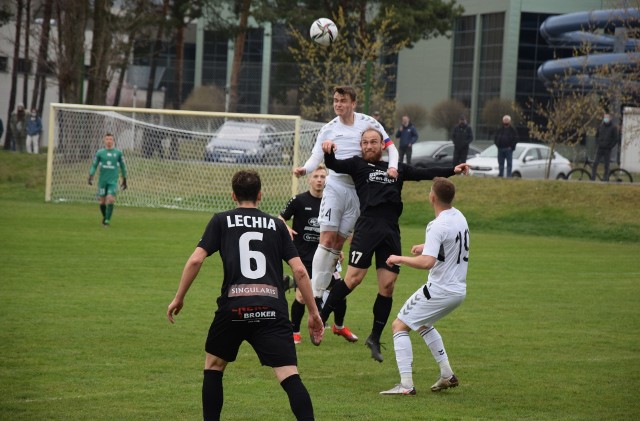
252, 245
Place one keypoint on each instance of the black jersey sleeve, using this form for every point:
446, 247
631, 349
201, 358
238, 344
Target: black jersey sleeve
290, 209
342, 166
210, 240
417, 174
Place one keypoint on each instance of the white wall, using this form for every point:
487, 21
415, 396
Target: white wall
630, 152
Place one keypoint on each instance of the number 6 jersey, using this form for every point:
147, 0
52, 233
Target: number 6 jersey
252, 245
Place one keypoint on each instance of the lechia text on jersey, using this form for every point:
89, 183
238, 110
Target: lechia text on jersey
250, 222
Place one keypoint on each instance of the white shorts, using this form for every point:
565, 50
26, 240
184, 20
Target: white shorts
339, 209
420, 311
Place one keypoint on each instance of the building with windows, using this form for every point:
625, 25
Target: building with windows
494, 52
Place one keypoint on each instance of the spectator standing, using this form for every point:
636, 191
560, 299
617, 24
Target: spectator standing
462, 136
607, 138
505, 140
18, 129
408, 135
34, 130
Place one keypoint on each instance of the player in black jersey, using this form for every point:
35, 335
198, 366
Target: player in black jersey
305, 232
377, 230
251, 306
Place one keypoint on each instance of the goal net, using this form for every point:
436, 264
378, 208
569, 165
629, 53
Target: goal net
177, 159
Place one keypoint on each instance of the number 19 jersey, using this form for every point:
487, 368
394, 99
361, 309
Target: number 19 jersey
252, 245
447, 239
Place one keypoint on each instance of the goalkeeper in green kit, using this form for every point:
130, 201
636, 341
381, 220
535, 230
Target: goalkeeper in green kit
110, 161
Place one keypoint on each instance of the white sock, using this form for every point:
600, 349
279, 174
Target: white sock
434, 341
404, 357
323, 266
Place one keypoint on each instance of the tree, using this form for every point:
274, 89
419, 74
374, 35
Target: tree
14, 71
418, 114
40, 83
446, 114
161, 25
72, 19
496, 108
345, 62
27, 60
182, 12
101, 53
418, 19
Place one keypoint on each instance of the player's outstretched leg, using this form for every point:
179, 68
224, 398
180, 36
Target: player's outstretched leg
338, 318
323, 266
338, 293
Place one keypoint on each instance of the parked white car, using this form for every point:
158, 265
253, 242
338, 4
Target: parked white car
529, 161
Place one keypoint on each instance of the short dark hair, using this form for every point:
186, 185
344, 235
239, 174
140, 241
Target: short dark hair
444, 190
246, 185
346, 90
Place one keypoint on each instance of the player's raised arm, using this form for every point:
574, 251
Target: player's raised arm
392, 151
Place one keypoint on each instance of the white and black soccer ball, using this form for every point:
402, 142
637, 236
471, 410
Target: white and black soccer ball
323, 31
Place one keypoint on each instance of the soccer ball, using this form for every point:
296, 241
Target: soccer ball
323, 31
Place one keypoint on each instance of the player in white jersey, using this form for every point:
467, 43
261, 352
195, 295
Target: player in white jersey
445, 254
340, 206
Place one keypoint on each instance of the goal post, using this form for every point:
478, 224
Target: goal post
177, 159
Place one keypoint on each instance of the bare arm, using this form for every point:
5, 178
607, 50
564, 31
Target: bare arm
316, 327
189, 273
417, 262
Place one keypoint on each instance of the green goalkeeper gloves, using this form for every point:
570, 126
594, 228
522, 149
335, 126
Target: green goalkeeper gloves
124, 184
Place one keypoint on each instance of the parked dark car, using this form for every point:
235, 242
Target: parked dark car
436, 153
245, 143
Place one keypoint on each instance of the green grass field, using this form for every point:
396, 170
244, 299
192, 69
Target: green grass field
550, 328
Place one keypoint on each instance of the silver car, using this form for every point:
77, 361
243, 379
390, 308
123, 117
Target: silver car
245, 143
529, 161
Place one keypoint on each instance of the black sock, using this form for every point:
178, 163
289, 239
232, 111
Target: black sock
318, 303
212, 395
297, 311
338, 293
299, 398
103, 209
381, 311
339, 312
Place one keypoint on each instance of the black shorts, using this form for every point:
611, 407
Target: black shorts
271, 338
377, 236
